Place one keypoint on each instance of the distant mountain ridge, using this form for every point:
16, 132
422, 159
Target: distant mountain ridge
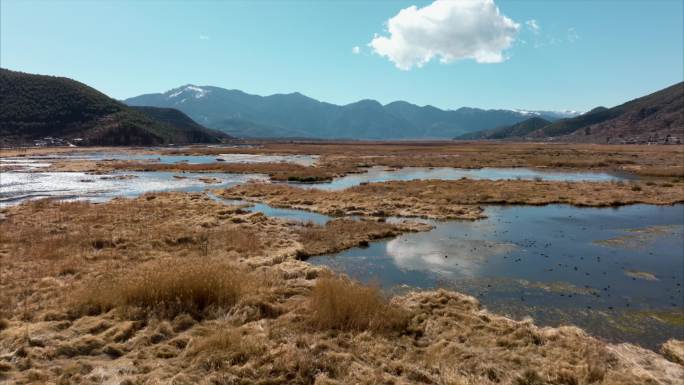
295, 115
37, 106
654, 118
518, 130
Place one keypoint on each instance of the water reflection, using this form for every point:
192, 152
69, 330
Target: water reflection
544, 261
30, 163
21, 177
445, 256
381, 174
304, 160
18, 186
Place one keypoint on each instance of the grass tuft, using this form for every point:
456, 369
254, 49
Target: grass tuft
340, 234
227, 347
168, 288
342, 304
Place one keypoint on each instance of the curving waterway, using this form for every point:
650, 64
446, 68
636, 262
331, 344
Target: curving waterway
616, 272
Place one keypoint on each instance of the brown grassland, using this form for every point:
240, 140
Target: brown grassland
639, 159
177, 288
339, 158
276, 171
459, 199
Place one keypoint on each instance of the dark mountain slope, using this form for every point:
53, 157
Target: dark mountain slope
190, 130
650, 118
247, 129
35, 106
518, 130
568, 126
658, 117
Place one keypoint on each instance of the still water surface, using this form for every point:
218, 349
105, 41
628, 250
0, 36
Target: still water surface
608, 270
381, 174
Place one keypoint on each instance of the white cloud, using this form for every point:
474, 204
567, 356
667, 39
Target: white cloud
533, 25
449, 31
572, 35
203, 37
356, 50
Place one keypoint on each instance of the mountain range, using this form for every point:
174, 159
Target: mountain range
298, 116
657, 117
36, 106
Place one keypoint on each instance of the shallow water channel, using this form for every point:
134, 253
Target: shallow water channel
382, 174
18, 186
21, 177
27, 181
45, 160
616, 272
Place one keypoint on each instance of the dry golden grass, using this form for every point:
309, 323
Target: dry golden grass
455, 199
121, 225
674, 351
340, 158
48, 245
349, 155
168, 288
342, 304
227, 347
340, 234
207, 294
659, 171
472, 192
276, 171
33, 151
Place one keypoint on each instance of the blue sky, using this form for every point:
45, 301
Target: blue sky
581, 55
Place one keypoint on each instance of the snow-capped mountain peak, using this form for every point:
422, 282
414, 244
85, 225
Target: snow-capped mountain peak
525, 112
187, 91
561, 114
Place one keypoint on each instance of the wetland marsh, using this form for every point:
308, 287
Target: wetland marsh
495, 246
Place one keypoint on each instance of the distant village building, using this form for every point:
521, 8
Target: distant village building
50, 141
